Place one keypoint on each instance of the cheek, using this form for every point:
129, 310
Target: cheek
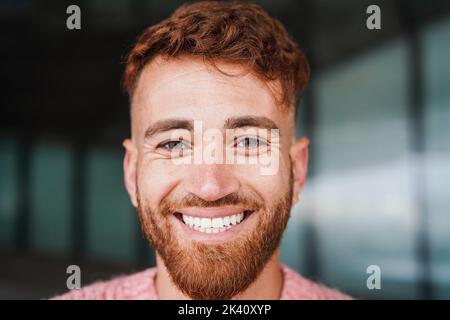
269, 187
273, 174
156, 179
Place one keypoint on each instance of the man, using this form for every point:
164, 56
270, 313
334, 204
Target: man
212, 165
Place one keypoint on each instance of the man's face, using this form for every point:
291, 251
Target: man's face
214, 224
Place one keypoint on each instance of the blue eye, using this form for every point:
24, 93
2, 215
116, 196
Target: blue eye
178, 145
250, 143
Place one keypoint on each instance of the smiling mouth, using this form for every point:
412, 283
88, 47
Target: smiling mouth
213, 225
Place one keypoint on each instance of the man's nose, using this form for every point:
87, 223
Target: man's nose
211, 181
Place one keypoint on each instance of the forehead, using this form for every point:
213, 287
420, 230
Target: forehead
189, 88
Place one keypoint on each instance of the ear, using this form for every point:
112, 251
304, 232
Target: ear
129, 169
299, 159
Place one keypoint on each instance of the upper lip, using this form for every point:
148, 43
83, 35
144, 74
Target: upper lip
212, 212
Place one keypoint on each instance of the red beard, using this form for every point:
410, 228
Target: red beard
216, 271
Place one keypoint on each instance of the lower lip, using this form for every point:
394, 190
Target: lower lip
214, 237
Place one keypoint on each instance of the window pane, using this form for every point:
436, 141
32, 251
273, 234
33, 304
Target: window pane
112, 223
363, 194
436, 42
50, 184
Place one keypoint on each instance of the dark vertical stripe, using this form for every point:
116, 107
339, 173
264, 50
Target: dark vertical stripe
312, 268
22, 234
79, 234
416, 116
417, 129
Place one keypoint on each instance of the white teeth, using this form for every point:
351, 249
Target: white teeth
217, 222
212, 225
206, 223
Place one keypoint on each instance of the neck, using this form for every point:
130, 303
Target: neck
267, 286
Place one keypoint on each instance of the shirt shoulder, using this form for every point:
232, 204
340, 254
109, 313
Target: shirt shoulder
138, 286
296, 287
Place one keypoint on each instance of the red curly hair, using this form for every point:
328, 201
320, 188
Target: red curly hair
234, 32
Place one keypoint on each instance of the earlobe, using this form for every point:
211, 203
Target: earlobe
129, 169
299, 158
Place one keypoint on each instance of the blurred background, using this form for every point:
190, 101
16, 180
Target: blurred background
377, 112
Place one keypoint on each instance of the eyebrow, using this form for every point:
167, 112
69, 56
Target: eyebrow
162, 126
167, 125
250, 121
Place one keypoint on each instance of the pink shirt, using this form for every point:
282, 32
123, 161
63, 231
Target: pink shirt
141, 286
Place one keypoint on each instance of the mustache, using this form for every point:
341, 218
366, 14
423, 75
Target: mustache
252, 203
